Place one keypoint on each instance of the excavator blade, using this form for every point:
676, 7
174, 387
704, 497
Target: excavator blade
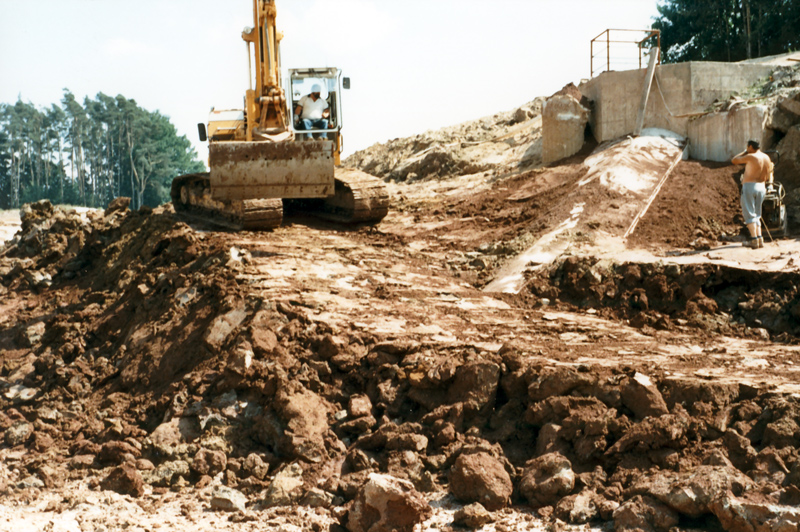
258, 170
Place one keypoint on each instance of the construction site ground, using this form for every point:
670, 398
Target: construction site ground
117, 327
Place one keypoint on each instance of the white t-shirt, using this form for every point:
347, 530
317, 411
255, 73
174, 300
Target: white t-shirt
312, 110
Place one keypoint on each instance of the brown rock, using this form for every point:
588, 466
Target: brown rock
642, 397
481, 478
124, 479
781, 433
472, 516
142, 464
210, 463
755, 514
255, 466
653, 433
546, 479
359, 425
118, 205
18, 433
581, 508
117, 452
644, 514
264, 341
301, 425
82, 461
386, 504
407, 442
691, 492
475, 383
42, 442
359, 406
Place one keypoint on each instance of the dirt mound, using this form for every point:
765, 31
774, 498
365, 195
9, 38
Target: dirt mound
500, 143
698, 206
713, 298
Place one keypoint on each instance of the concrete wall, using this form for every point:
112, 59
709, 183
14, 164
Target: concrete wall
720, 136
678, 89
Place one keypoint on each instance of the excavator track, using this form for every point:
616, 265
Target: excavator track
191, 197
358, 198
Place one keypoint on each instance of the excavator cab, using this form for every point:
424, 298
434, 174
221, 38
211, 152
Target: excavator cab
330, 79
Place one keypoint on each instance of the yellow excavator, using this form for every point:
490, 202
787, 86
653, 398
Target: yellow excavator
261, 155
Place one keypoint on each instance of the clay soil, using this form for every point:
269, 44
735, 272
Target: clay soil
701, 201
146, 362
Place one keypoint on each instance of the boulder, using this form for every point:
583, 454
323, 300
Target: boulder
117, 452
691, 492
255, 466
642, 397
755, 514
475, 383
298, 425
547, 479
386, 504
125, 480
317, 498
18, 433
472, 516
210, 463
581, 508
120, 204
564, 122
359, 406
228, 500
167, 473
644, 514
481, 478
781, 120
791, 105
285, 487
223, 326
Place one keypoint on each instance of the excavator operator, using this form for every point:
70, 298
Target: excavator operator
313, 112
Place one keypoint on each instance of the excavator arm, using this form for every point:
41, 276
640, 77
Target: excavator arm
265, 103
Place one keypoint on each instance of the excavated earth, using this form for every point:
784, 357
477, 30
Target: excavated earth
156, 375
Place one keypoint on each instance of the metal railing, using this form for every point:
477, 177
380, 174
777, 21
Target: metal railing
623, 57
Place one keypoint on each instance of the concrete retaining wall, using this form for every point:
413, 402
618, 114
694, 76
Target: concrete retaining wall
720, 136
678, 90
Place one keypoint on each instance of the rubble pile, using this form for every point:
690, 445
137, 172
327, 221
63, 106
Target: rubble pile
141, 361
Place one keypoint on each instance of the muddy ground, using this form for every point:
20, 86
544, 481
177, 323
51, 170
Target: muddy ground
148, 365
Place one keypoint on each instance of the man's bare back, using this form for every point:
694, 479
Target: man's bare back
757, 166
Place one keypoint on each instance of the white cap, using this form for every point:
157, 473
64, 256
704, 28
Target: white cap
316, 87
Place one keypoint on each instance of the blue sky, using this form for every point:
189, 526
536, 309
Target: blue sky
415, 65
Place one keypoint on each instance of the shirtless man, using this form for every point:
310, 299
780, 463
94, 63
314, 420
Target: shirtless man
757, 170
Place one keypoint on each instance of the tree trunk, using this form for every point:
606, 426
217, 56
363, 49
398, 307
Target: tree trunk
747, 28
134, 173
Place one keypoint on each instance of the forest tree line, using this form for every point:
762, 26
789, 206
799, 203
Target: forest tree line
88, 154
727, 30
